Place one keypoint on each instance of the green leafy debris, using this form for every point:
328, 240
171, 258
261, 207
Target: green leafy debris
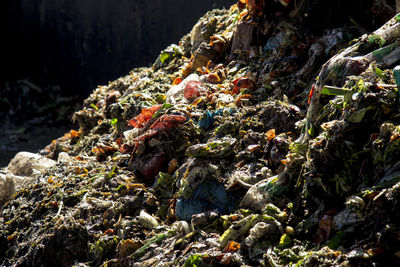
194, 260
94, 106
114, 121
333, 90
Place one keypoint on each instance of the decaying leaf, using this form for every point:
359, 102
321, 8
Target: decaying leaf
232, 246
271, 134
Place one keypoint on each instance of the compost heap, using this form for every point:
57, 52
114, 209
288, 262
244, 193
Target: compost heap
237, 147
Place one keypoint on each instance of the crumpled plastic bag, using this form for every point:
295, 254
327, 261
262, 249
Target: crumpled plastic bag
260, 194
207, 196
191, 88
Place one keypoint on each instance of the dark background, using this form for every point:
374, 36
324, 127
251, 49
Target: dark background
79, 44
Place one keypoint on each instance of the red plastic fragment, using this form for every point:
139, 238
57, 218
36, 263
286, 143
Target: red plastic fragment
193, 89
143, 117
167, 121
310, 95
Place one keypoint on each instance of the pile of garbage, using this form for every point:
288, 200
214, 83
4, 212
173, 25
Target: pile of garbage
258, 140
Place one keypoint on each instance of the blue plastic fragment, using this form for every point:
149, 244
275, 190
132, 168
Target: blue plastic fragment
207, 196
208, 118
396, 73
274, 42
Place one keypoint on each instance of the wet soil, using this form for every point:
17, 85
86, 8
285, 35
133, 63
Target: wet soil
31, 138
33, 112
